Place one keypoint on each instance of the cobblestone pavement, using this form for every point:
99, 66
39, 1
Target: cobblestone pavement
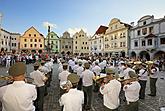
52, 104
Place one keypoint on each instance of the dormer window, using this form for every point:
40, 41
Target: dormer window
144, 23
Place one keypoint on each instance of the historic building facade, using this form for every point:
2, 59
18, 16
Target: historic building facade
97, 41
66, 43
81, 43
53, 41
116, 39
32, 40
148, 38
9, 41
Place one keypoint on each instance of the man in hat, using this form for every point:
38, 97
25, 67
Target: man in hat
132, 88
63, 76
39, 80
24, 92
110, 89
143, 76
87, 79
154, 70
74, 99
80, 69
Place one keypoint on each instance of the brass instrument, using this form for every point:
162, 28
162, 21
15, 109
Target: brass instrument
9, 79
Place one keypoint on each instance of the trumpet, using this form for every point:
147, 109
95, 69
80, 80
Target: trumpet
9, 79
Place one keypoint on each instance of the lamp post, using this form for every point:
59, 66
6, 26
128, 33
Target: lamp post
48, 45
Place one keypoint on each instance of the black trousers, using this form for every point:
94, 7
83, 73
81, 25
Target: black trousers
88, 93
40, 98
132, 106
142, 89
153, 86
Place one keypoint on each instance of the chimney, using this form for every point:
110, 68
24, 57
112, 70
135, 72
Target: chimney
132, 24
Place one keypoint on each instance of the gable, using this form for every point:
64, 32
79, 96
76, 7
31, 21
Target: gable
52, 35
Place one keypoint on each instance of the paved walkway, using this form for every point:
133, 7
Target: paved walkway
52, 104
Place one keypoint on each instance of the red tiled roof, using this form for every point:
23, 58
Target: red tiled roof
101, 30
150, 36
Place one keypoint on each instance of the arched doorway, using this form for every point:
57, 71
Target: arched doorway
133, 54
159, 55
144, 55
122, 54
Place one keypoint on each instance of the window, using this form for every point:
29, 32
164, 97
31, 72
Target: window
116, 26
35, 40
56, 42
136, 43
143, 43
2, 42
25, 45
121, 43
87, 47
31, 40
115, 45
4, 37
29, 35
162, 41
144, 23
115, 36
56, 46
31, 45
66, 46
81, 47
34, 35
75, 42
95, 42
40, 45
25, 40
79, 35
85, 42
111, 37
69, 47
123, 34
62, 47
138, 32
76, 47
35, 45
52, 42
144, 31
51, 36
151, 29
100, 41
84, 47
39, 40
149, 41
76, 37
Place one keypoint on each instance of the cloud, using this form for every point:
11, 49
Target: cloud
46, 24
72, 31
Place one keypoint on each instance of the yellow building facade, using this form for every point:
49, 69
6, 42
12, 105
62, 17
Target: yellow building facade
81, 43
116, 39
32, 40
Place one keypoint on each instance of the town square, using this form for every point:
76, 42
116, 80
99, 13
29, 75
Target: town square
82, 55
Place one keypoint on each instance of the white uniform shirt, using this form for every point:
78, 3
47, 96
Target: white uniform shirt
154, 72
111, 94
38, 78
80, 69
132, 91
18, 96
73, 100
96, 69
75, 68
44, 69
87, 77
63, 76
143, 74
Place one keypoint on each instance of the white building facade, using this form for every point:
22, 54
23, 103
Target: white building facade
9, 41
97, 41
148, 38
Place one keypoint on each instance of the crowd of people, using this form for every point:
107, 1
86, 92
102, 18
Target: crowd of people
79, 77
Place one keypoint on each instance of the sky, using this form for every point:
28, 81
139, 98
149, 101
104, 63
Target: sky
72, 15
